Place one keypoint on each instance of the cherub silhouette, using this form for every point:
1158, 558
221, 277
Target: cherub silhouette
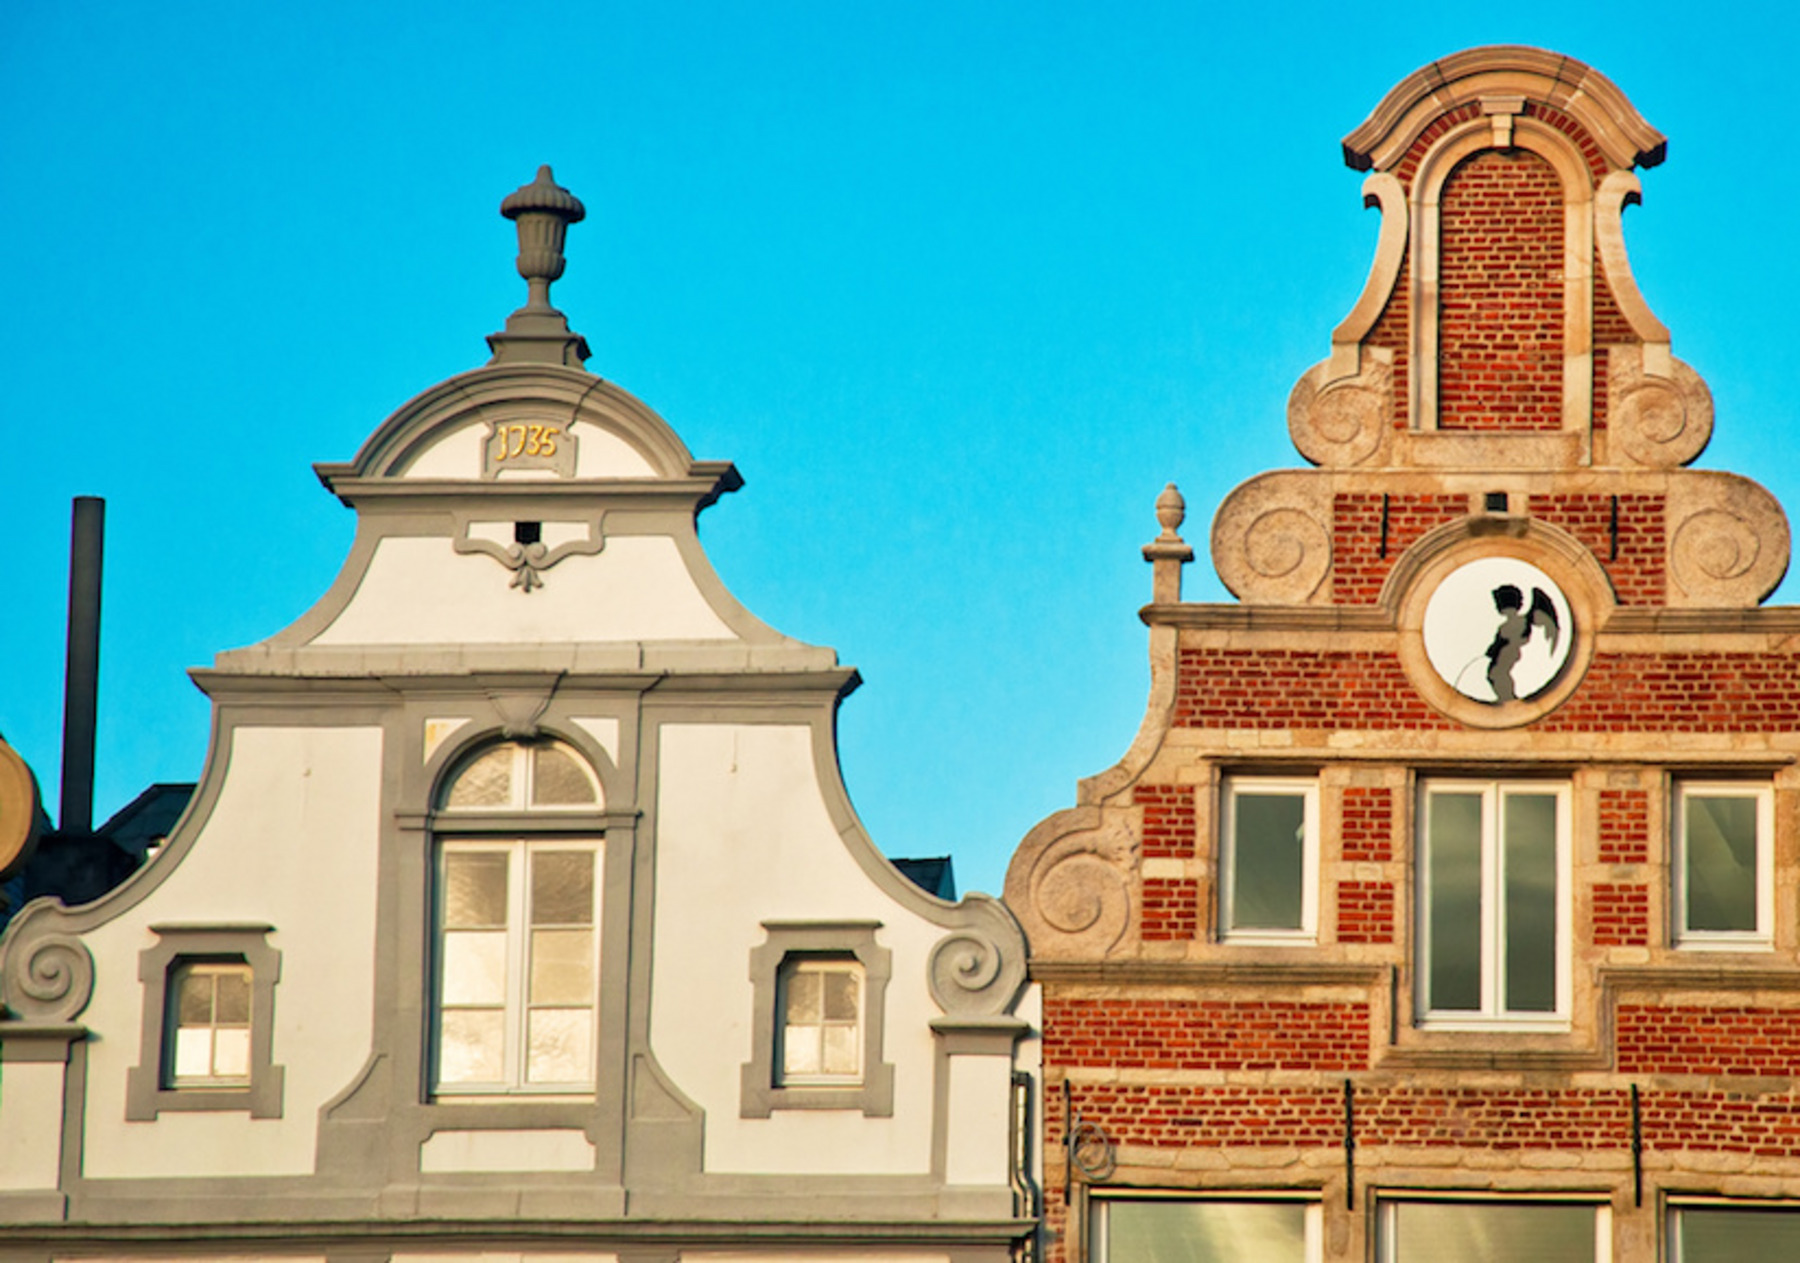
1516, 626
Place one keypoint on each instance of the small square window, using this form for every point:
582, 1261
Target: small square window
821, 1026
1269, 861
208, 1025
1724, 858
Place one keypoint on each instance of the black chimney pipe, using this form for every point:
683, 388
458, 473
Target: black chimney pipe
81, 681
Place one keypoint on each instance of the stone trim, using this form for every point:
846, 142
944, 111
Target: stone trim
39, 1041
874, 1093
146, 1093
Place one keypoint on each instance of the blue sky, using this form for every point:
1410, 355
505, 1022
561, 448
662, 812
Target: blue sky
957, 287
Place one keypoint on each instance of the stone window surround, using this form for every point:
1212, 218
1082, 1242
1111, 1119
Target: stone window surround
1434, 172
146, 1090
874, 1093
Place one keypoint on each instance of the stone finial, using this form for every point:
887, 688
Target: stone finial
538, 332
1168, 552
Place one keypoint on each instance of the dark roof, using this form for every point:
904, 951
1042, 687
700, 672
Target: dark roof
146, 819
934, 876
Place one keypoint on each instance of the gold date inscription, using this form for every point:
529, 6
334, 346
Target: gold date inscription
513, 441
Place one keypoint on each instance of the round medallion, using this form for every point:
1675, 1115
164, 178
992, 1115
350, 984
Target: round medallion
1498, 630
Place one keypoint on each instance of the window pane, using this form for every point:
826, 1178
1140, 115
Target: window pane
1494, 1233
803, 1003
557, 780
1204, 1232
800, 1051
475, 967
472, 1048
474, 889
562, 966
487, 782
840, 995
193, 1052
194, 998
231, 1053
1453, 857
1268, 861
233, 995
1734, 1236
562, 888
1721, 862
842, 1050
1529, 863
557, 1045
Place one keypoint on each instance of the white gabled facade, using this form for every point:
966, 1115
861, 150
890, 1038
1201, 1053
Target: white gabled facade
520, 910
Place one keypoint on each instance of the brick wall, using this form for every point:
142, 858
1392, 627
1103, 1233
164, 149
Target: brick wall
1168, 831
1365, 912
1162, 1034
1726, 1040
1500, 285
1335, 690
1621, 914
1169, 909
1624, 826
1358, 566
1366, 823
1634, 557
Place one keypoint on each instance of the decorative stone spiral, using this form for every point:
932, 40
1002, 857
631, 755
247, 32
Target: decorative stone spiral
1728, 541
1343, 422
48, 979
1269, 540
1657, 421
977, 970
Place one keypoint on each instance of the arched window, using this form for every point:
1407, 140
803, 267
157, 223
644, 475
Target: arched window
517, 922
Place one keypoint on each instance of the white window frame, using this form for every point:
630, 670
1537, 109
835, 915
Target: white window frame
517, 1007
213, 968
1235, 787
1387, 1243
821, 965
1492, 1015
1673, 1249
1100, 1208
1762, 938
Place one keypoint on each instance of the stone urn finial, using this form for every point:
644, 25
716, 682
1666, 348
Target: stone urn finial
543, 211
1168, 552
537, 332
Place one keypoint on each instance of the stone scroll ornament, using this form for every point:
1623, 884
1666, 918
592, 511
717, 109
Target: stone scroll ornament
1656, 421
977, 970
47, 978
1342, 422
1728, 541
1270, 543
528, 559
1075, 895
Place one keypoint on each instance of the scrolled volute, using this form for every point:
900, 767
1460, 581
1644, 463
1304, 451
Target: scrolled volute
977, 969
47, 978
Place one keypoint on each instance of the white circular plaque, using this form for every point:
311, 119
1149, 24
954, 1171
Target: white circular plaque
1498, 630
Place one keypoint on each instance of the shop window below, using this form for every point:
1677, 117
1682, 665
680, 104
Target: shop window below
1132, 1229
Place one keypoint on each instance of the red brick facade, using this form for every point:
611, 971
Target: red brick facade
1316, 1055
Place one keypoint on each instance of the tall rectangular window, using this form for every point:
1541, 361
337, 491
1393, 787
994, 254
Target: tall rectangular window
1494, 903
821, 1026
1204, 1230
1269, 860
518, 965
1724, 863
209, 1025
1733, 1234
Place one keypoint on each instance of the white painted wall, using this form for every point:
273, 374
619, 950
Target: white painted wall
599, 453
543, 1149
420, 590
31, 1100
743, 837
293, 842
